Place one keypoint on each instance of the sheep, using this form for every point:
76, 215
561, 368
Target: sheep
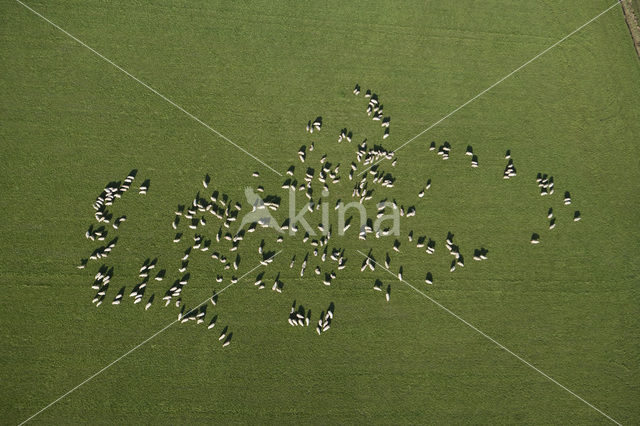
567, 198
212, 323
149, 302
429, 278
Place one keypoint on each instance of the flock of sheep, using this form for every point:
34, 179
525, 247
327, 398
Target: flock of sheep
206, 226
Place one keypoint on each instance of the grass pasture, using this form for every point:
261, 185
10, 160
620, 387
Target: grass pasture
71, 122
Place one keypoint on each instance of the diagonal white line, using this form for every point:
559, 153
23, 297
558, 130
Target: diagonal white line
497, 83
491, 339
88, 379
128, 74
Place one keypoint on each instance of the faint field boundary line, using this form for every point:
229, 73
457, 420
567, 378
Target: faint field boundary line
395, 150
633, 22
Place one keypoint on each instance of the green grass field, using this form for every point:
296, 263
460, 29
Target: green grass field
71, 122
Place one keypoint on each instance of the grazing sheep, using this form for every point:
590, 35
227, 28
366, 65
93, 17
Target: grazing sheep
567, 198
429, 278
